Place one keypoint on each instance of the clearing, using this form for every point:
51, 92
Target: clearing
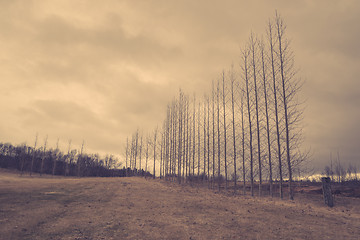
136, 208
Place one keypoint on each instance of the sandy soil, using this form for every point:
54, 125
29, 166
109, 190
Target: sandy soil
136, 208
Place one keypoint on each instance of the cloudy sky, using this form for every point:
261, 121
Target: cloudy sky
98, 70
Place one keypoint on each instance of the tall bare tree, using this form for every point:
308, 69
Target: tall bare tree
199, 141
155, 133
246, 72
290, 85
224, 123
243, 138
265, 88
218, 132
194, 138
136, 148
253, 49
232, 82
270, 35
147, 154
126, 152
208, 140
161, 151
213, 133
140, 150
204, 147
180, 133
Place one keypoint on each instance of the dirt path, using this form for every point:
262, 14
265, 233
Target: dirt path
136, 208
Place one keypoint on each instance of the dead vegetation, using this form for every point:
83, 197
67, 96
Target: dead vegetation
137, 208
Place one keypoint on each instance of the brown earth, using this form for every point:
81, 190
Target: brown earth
136, 208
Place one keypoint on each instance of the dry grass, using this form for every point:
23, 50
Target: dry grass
136, 208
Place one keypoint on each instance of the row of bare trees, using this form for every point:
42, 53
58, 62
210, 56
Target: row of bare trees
247, 127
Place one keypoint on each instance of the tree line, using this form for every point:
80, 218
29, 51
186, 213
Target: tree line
337, 171
41, 160
246, 129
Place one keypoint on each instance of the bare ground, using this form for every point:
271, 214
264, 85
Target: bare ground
136, 208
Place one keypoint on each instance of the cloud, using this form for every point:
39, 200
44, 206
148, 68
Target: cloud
100, 70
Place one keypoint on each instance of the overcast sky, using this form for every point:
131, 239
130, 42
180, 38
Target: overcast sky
98, 70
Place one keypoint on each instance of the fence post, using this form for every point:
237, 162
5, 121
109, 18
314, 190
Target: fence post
326, 187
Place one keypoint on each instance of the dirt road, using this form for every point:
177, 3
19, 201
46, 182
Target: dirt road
136, 208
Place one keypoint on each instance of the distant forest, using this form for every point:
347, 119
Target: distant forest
29, 160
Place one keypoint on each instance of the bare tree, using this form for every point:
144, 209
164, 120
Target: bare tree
55, 157
24, 152
189, 144
136, 148
147, 154
140, 150
232, 82
155, 133
224, 115
180, 117
290, 86
280, 34
80, 159
218, 132
253, 49
175, 149
43, 156
265, 84
186, 137
245, 59
270, 36
243, 138
33, 155
127, 152
194, 138
199, 139
161, 150
132, 148
66, 160
208, 140
167, 143
172, 141
213, 132
204, 148
339, 170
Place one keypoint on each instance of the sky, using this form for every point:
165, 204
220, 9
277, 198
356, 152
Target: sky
98, 70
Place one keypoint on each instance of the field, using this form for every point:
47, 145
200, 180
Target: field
136, 208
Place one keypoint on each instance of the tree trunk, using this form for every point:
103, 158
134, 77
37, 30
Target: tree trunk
326, 187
